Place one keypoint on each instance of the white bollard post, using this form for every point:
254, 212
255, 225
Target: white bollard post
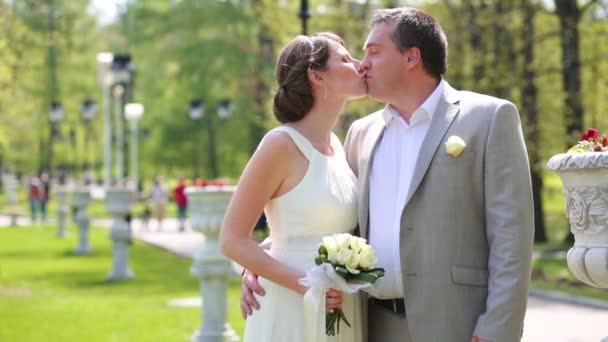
61, 197
118, 203
81, 198
14, 216
207, 208
11, 185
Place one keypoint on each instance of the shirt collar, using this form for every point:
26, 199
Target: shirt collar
427, 109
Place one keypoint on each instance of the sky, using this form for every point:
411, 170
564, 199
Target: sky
105, 10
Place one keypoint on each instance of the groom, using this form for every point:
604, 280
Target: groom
445, 195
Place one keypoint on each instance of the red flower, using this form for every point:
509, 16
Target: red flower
598, 148
219, 182
591, 134
604, 141
201, 182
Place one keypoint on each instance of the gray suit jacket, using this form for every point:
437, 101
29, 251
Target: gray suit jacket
467, 225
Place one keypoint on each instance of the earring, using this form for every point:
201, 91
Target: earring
325, 90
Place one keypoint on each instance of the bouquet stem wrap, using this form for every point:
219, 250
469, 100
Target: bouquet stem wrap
320, 279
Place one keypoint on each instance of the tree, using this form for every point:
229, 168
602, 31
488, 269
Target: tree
529, 111
570, 13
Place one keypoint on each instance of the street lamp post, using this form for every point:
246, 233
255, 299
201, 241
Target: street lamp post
119, 92
196, 111
121, 69
134, 112
56, 115
224, 112
88, 110
104, 61
304, 14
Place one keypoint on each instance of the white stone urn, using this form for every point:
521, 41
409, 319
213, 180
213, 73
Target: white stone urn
207, 206
81, 197
62, 195
118, 203
585, 186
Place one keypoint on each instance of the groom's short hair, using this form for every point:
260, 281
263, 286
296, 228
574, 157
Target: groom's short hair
416, 28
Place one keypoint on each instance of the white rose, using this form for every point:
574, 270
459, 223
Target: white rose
353, 263
328, 240
332, 248
357, 244
344, 254
367, 257
342, 240
454, 146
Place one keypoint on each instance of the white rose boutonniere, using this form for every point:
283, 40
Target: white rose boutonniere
454, 146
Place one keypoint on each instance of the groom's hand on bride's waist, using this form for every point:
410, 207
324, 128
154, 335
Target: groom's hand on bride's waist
249, 285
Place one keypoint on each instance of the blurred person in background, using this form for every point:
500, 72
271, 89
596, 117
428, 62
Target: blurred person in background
35, 195
159, 199
182, 202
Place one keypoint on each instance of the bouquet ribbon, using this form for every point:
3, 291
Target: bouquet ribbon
319, 279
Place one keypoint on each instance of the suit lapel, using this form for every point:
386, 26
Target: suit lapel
369, 146
446, 112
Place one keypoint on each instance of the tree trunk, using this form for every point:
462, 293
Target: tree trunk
501, 45
472, 11
530, 113
569, 14
52, 79
261, 89
457, 55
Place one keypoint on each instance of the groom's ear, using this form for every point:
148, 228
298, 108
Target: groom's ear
412, 57
316, 78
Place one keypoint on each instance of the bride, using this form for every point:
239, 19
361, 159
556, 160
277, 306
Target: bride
300, 178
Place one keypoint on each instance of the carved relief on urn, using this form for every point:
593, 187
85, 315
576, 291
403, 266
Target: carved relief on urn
585, 186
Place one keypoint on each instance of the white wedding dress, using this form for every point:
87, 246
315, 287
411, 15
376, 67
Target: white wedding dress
323, 203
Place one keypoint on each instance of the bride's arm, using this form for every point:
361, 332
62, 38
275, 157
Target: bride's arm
267, 169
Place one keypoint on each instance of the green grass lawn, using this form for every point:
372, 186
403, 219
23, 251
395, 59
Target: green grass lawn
47, 293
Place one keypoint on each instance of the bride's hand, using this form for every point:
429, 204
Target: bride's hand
249, 285
333, 299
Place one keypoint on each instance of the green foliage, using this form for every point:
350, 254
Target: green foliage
226, 49
214, 50
45, 49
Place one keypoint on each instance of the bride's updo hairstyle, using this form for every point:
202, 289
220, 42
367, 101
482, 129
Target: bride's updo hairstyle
293, 97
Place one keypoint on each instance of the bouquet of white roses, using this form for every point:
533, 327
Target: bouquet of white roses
345, 262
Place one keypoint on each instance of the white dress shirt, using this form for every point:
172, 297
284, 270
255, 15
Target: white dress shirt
391, 173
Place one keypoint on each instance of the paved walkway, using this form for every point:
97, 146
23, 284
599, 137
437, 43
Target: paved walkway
548, 319
168, 237
554, 321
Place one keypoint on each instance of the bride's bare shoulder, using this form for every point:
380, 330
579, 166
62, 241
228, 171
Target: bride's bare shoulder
277, 146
